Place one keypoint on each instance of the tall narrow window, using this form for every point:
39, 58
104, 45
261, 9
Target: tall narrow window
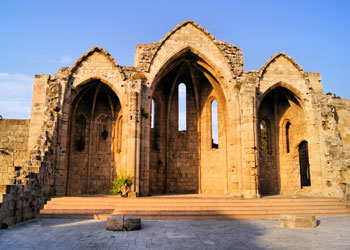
214, 125
152, 114
305, 179
119, 134
264, 137
182, 107
287, 136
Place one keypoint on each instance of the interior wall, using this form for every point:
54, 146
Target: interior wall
279, 170
158, 146
213, 169
94, 141
268, 160
184, 161
182, 146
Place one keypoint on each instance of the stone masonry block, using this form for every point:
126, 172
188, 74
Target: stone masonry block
297, 221
123, 223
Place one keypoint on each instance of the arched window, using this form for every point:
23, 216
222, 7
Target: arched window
214, 125
264, 127
287, 136
182, 126
119, 134
152, 114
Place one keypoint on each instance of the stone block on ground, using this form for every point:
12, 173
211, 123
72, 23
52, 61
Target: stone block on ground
297, 221
115, 223
131, 223
123, 223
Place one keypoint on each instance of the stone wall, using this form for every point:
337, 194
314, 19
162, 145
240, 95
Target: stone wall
95, 89
23, 201
335, 150
13, 148
342, 107
182, 155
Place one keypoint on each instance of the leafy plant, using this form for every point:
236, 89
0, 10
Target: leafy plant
122, 185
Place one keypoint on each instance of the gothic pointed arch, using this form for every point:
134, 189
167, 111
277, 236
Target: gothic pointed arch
225, 58
96, 64
277, 161
94, 139
282, 68
94, 50
181, 162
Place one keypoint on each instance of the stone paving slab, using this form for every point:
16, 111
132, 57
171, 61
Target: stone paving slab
331, 233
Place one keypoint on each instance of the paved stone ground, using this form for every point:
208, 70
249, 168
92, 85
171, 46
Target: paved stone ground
333, 232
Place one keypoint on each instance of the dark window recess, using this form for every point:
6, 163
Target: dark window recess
305, 179
287, 136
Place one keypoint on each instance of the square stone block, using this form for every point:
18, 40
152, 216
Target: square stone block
297, 221
115, 223
131, 223
123, 223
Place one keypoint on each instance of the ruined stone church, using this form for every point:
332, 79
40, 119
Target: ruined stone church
277, 132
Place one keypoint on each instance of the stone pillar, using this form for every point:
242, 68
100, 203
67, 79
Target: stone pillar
38, 109
146, 116
249, 142
134, 131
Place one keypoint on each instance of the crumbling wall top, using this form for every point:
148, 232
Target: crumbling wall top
233, 55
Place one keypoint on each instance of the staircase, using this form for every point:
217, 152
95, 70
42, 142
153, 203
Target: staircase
188, 207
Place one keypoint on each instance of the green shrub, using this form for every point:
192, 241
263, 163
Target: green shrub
122, 185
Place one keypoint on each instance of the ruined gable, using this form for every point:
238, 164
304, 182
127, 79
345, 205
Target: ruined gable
281, 68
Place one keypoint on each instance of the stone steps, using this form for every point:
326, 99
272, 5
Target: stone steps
100, 207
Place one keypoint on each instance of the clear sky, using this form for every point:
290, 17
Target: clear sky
39, 37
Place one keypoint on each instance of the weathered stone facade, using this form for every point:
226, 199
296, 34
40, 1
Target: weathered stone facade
13, 149
277, 132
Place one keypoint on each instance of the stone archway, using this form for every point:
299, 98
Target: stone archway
281, 127
93, 139
182, 159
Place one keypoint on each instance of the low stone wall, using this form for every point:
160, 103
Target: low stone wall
20, 203
13, 148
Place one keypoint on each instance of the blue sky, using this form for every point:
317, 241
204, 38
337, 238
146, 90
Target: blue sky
39, 37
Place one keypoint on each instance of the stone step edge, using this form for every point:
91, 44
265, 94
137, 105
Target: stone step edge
171, 217
157, 212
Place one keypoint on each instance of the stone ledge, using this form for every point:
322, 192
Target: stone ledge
123, 223
297, 221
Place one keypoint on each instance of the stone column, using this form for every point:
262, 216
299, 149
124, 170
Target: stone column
134, 131
146, 116
249, 142
38, 109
